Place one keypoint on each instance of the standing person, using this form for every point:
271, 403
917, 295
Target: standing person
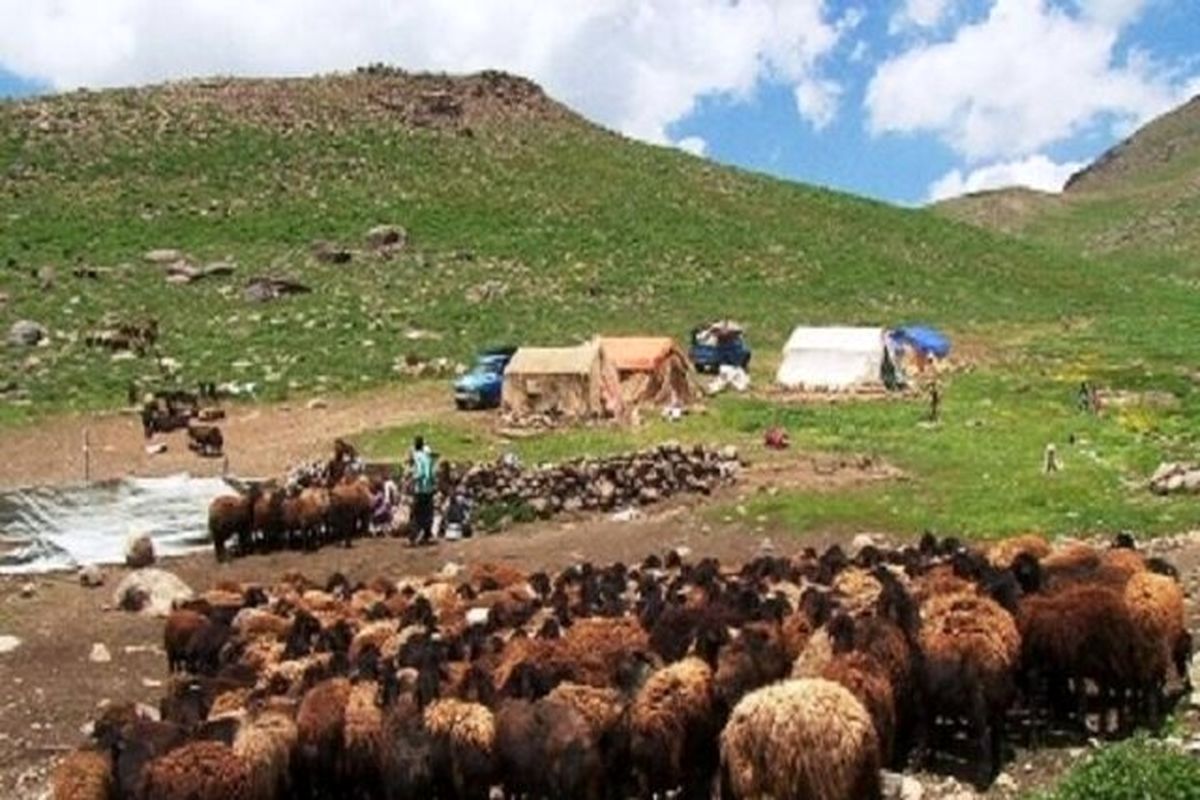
424, 488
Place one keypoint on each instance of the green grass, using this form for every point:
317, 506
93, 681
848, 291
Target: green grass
977, 472
584, 232
1137, 769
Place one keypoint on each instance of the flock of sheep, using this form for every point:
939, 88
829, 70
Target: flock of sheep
788, 678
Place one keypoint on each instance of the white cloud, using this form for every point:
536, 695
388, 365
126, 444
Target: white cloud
817, 101
635, 65
920, 14
1035, 172
694, 145
1028, 75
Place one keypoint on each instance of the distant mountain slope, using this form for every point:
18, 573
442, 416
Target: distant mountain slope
525, 223
1139, 200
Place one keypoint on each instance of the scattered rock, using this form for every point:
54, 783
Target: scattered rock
488, 290
28, 589
91, 576
156, 448
901, 787
26, 333
1175, 478
1005, 783
150, 592
262, 290
387, 238
99, 654
163, 256
861, 541
317, 403
184, 272
330, 253
9, 644
139, 551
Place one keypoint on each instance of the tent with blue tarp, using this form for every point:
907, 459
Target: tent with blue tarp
922, 338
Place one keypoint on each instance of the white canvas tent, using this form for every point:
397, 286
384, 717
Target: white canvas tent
833, 359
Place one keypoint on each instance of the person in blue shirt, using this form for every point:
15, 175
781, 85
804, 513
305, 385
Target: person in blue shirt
424, 488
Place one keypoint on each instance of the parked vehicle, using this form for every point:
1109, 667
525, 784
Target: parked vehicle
481, 386
717, 345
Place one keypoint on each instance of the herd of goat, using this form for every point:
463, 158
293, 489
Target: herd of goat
787, 678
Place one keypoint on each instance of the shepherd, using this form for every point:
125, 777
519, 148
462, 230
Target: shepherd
424, 487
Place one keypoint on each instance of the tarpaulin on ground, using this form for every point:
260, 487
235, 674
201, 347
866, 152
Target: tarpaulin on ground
46, 528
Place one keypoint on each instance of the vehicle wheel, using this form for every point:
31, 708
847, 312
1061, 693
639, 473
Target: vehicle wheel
461, 405
746, 362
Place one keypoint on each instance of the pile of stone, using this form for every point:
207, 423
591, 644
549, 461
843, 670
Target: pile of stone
602, 484
1176, 478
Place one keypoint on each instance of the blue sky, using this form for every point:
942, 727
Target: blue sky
901, 100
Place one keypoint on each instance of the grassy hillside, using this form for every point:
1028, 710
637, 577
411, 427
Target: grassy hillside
1139, 202
562, 228
527, 224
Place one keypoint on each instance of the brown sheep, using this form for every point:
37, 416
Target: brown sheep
547, 749
207, 440
1001, 554
868, 681
807, 739
201, 770
268, 517
320, 722
1078, 634
231, 516
464, 737
180, 627
672, 727
363, 736
306, 515
83, 775
349, 510
1156, 604
266, 744
407, 760
971, 650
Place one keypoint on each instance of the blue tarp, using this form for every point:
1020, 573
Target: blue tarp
923, 338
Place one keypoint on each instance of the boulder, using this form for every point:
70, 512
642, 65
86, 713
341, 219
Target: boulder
9, 644
91, 576
139, 551
387, 237
26, 333
150, 592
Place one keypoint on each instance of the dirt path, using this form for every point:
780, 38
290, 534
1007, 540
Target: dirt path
259, 439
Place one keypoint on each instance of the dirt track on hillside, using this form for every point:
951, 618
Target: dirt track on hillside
259, 439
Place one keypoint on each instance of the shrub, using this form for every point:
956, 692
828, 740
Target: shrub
1132, 770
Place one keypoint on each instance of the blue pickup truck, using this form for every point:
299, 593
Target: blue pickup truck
718, 345
481, 386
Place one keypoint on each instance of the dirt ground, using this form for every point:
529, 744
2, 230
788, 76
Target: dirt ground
51, 687
259, 439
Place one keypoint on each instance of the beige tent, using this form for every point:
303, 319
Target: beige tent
652, 370
573, 382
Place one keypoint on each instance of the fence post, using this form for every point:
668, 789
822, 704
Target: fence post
87, 456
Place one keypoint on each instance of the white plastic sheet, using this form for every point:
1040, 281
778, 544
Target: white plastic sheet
45, 528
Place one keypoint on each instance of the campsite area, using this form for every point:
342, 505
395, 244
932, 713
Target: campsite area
307, 269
